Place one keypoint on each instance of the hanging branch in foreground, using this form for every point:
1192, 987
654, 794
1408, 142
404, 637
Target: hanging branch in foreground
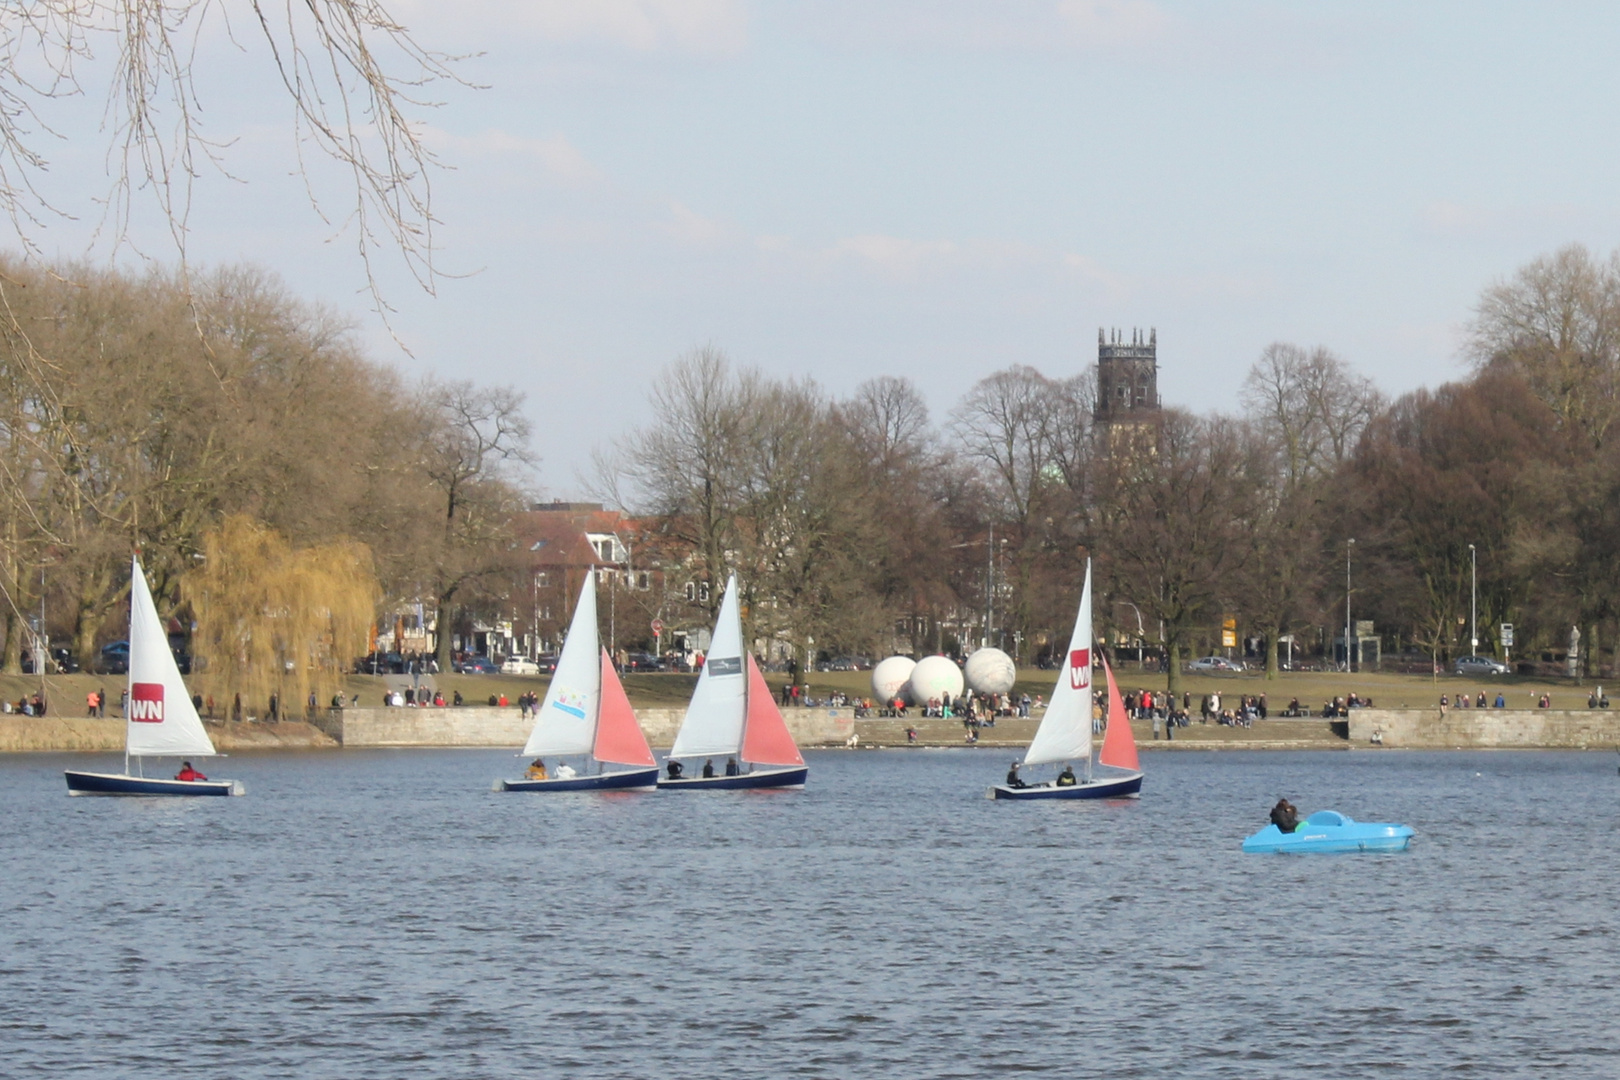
354, 76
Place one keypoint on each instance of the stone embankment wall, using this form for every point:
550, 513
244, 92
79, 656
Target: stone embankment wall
486, 726
1486, 728
54, 733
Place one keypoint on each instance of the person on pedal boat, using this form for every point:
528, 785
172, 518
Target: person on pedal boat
536, 770
1285, 815
187, 773
1066, 778
1013, 779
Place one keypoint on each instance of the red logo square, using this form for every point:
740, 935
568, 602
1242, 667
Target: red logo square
146, 703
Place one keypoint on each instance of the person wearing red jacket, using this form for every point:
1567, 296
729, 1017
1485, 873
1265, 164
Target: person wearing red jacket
188, 773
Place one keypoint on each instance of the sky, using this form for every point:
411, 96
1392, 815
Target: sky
933, 189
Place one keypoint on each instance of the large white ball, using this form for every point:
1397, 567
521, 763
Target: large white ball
934, 677
990, 671
889, 677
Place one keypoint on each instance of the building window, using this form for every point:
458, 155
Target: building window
542, 580
703, 593
691, 590
643, 580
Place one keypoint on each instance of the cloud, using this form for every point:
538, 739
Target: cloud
644, 26
893, 254
691, 227
560, 160
1106, 23
1472, 222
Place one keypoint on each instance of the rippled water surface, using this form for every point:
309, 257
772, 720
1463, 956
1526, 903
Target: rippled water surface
385, 915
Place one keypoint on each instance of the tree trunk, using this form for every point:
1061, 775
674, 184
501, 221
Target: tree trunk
443, 627
1173, 674
14, 620
1272, 668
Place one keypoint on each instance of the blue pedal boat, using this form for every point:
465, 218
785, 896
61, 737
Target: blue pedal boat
1328, 832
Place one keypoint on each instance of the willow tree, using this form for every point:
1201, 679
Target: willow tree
274, 619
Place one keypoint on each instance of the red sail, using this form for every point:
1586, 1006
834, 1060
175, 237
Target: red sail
618, 734
765, 735
1119, 745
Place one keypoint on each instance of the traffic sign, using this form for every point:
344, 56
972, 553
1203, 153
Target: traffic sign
658, 626
1507, 634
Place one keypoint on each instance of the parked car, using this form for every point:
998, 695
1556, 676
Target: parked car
1479, 665
478, 665
113, 659
640, 661
1214, 663
547, 663
519, 665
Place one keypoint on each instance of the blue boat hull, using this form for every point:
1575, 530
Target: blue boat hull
89, 783
630, 780
792, 777
1120, 787
1328, 832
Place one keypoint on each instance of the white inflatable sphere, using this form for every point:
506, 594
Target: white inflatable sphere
889, 677
990, 671
934, 677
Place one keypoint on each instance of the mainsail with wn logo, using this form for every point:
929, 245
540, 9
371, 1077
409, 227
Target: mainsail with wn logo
1080, 668
146, 702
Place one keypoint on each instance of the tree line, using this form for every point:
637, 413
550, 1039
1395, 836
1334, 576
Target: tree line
144, 412
858, 522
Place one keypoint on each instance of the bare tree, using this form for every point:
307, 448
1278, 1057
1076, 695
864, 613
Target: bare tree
1557, 323
1312, 404
1173, 526
475, 436
355, 78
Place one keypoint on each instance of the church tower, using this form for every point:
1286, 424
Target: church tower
1127, 379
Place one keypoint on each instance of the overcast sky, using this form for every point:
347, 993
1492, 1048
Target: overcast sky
938, 189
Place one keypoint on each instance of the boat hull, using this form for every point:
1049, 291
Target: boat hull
629, 780
88, 783
792, 777
1110, 787
1330, 833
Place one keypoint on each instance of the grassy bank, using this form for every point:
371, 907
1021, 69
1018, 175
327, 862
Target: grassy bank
66, 693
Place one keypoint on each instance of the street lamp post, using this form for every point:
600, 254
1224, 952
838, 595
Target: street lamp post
1349, 549
1473, 601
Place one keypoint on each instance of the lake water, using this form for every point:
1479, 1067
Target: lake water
383, 914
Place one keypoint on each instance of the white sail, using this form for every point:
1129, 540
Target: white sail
1065, 731
160, 719
566, 723
715, 716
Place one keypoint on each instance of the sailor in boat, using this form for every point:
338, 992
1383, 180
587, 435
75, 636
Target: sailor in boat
1285, 816
675, 769
731, 767
187, 773
536, 770
1066, 778
708, 769
566, 771
1013, 779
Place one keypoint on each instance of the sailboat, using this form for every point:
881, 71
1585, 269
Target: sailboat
586, 713
1065, 731
733, 715
159, 719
